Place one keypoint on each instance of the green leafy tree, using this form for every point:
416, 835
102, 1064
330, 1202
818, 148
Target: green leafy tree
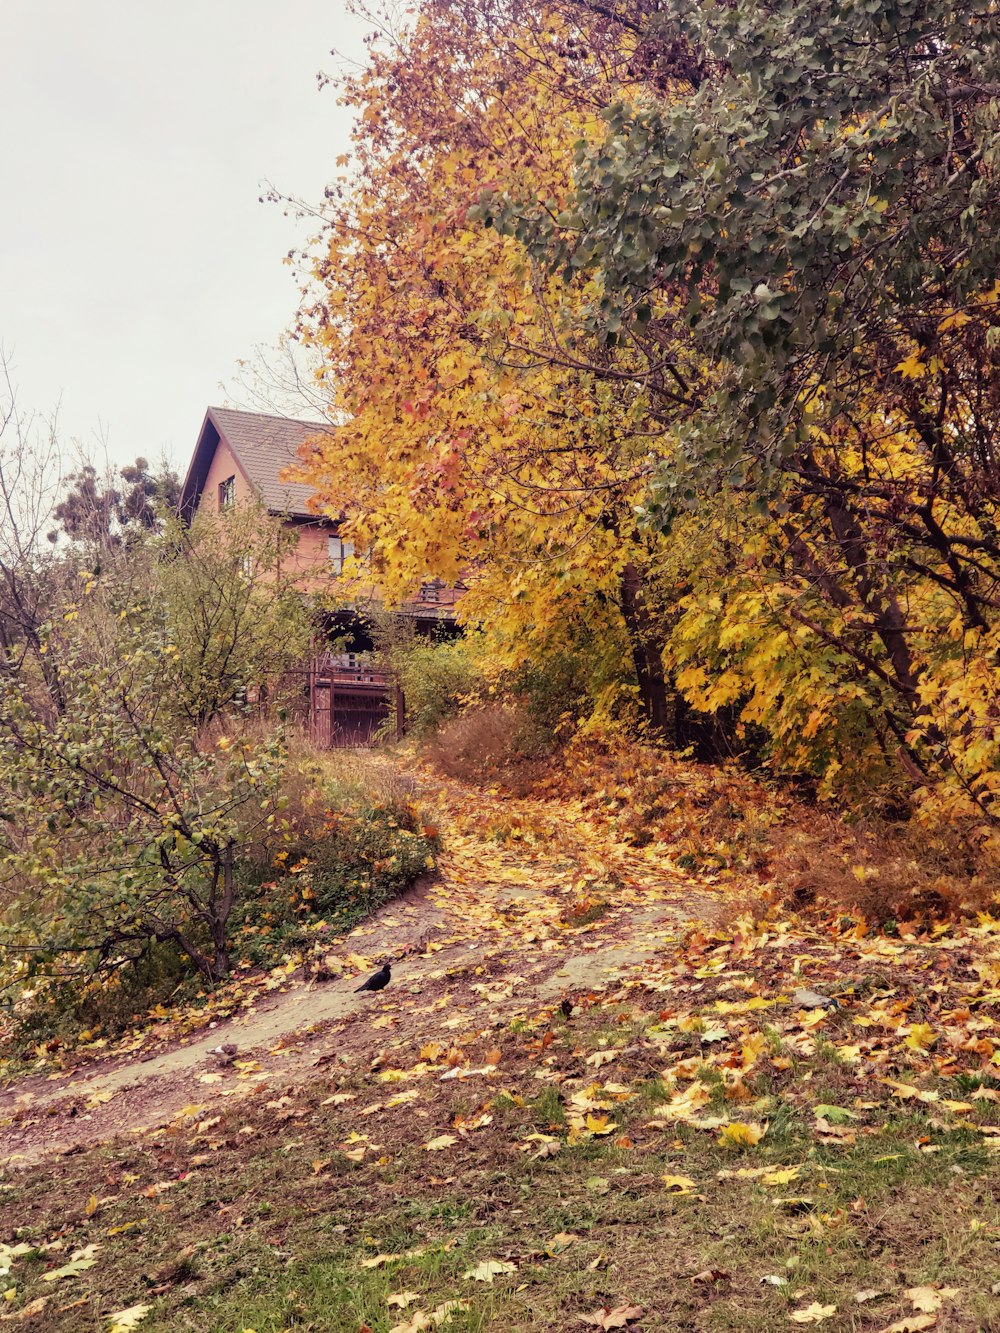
238, 619
795, 219
123, 820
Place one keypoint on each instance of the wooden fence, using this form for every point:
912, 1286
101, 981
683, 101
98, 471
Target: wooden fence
348, 705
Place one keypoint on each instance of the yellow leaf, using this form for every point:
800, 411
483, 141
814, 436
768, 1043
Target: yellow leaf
929, 1299
954, 321
781, 1177
679, 1184
123, 1320
912, 368
920, 1037
907, 1092
377, 1260
752, 1049
600, 1124
813, 1314
488, 1270
739, 1135
441, 1142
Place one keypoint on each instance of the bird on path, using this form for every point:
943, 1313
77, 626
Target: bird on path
377, 981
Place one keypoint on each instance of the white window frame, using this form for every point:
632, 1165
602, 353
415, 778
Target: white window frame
337, 551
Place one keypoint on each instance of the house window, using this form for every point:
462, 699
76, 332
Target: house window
227, 493
338, 551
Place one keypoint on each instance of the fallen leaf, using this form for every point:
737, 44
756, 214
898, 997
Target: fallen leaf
29, 1311
79, 1260
739, 1135
421, 1320
836, 1115
160, 1187
907, 1092
921, 1037
489, 1269
424, 1319
782, 1176
679, 1184
803, 998
441, 1142
929, 1299
620, 1317
600, 1124
601, 1058
813, 1314
122, 1320
401, 1299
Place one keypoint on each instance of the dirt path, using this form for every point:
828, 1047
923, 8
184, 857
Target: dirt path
531, 904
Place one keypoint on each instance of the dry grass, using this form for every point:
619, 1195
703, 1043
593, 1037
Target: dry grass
881, 870
489, 743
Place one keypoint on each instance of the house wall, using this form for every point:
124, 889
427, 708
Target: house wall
308, 563
223, 465
309, 556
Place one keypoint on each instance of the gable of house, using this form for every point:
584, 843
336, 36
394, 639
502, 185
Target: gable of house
242, 455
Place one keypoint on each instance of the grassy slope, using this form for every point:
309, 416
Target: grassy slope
266, 1222
262, 1215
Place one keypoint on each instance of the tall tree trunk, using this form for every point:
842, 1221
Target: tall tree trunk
647, 653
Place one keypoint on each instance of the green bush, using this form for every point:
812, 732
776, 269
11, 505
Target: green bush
438, 680
349, 839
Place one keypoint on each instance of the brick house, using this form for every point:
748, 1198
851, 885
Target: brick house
241, 456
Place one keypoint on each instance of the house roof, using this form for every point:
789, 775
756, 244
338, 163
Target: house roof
263, 447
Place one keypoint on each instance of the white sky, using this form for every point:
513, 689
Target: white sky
136, 265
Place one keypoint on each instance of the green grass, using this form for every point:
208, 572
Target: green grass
271, 1243
267, 1224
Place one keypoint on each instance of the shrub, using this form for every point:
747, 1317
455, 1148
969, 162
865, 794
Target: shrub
438, 679
123, 820
486, 742
348, 839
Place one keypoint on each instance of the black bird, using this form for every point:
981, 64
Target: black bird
377, 981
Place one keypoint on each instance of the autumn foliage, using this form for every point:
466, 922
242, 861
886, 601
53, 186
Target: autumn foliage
687, 349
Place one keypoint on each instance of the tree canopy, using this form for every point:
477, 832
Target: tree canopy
677, 323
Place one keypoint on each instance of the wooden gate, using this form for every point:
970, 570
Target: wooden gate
349, 704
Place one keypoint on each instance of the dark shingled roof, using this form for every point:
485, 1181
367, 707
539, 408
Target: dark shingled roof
263, 446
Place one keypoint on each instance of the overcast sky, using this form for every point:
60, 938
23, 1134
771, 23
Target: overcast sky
136, 265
